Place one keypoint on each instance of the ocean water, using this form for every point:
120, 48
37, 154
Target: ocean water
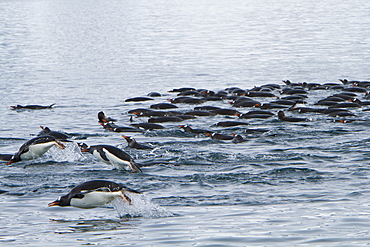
300, 184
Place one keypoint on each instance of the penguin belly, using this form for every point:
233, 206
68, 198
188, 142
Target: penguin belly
37, 150
95, 199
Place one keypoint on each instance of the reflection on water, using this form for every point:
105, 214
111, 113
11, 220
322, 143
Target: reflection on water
73, 226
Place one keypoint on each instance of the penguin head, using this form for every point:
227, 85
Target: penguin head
62, 201
15, 158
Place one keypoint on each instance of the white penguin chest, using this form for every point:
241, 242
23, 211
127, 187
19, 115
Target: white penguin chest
37, 150
95, 199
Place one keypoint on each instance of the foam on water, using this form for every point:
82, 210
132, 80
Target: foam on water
71, 153
141, 206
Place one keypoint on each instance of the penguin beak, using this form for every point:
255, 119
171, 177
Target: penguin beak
56, 203
84, 150
10, 162
126, 137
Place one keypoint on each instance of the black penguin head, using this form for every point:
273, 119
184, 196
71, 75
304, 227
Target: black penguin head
46, 129
281, 114
84, 147
128, 138
62, 201
101, 117
15, 158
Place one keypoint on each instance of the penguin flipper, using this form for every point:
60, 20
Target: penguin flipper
135, 167
126, 198
102, 154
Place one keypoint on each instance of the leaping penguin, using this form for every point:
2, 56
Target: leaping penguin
35, 148
93, 194
111, 154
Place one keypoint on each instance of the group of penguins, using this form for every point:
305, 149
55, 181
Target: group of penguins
287, 97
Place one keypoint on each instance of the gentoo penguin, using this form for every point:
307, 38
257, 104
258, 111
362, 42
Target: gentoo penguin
238, 138
164, 119
282, 117
93, 194
216, 136
163, 106
189, 129
56, 134
115, 128
112, 155
32, 107
104, 119
230, 123
35, 148
132, 143
147, 126
137, 99
154, 94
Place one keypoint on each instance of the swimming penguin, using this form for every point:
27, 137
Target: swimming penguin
115, 128
93, 194
163, 106
35, 148
132, 143
230, 123
147, 126
282, 117
238, 138
103, 119
56, 134
216, 136
137, 99
31, 107
112, 155
189, 129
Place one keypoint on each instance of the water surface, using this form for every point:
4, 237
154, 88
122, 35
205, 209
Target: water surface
302, 184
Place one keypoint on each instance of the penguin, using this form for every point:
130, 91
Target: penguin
115, 128
132, 143
93, 194
281, 116
31, 107
189, 129
147, 126
200, 113
216, 136
103, 119
56, 134
163, 106
111, 154
238, 138
154, 94
35, 148
230, 123
137, 99
164, 119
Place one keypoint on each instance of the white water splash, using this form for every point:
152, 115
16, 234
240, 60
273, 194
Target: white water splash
140, 206
70, 153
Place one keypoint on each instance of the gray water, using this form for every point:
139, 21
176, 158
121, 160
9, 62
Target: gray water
301, 184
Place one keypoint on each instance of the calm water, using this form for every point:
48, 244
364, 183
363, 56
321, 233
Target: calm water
301, 184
